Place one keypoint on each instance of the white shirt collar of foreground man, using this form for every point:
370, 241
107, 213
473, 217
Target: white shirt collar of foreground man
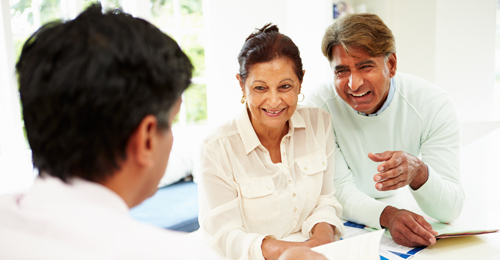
84, 220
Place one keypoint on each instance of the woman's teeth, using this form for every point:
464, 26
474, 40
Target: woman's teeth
273, 112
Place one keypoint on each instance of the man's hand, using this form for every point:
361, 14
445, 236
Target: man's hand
398, 170
301, 253
407, 228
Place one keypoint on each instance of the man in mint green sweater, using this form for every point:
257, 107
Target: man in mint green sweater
392, 130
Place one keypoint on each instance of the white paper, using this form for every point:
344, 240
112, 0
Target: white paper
361, 247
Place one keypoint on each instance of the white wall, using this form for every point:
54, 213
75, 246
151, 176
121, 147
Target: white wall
465, 55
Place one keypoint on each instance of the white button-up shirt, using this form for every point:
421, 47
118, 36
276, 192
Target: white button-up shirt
84, 220
245, 197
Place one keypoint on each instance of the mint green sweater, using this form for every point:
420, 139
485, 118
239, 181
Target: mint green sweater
420, 120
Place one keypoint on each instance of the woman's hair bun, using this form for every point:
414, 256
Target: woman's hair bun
268, 28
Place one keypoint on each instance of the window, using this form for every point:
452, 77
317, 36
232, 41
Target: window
497, 58
181, 19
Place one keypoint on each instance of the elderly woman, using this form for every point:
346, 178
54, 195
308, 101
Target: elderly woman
269, 172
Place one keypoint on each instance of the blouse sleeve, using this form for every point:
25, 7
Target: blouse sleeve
220, 219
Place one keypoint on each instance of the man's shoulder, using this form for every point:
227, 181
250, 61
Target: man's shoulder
412, 86
421, 95
319, 95
307, 112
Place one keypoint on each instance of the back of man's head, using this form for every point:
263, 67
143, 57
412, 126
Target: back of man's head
86, 84
367, 31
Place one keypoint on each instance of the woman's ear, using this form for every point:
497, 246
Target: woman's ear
242, 84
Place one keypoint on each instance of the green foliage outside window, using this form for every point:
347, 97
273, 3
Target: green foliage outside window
187, 32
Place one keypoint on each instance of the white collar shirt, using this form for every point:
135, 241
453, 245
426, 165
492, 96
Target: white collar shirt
83, 220
245, 197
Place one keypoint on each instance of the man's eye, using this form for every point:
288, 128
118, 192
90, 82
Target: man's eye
365, 67
341, 72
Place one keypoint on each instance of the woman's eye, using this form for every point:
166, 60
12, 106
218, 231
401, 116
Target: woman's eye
259, 88
287, 86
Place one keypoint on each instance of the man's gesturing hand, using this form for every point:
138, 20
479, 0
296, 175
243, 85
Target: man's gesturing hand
407, 228
398, 170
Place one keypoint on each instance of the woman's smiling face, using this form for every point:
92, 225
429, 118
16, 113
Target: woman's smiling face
271, 90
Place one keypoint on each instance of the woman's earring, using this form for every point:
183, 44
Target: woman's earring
243, 98
303, 97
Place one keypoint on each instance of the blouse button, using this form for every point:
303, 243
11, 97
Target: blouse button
248, 191
268, 187
295, 210
289, 181
305, 168
294, 195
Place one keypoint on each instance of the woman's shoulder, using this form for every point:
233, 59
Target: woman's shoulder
312, 113
220, 131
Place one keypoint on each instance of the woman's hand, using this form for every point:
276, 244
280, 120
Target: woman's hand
323, 233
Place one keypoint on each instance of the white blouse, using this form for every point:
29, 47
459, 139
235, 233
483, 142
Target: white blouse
245, 197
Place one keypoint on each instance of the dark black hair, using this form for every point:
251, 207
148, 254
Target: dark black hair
265, 45
86, 85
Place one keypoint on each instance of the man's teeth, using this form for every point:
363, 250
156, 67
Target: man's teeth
273, 112
360, 95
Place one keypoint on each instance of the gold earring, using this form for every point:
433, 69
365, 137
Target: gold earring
303, 97
243, 98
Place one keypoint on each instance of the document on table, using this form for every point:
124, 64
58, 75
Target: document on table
446, 230
388, 249
361, 247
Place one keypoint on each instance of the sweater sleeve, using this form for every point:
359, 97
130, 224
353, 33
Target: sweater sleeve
442, 196
358, 206
220, 219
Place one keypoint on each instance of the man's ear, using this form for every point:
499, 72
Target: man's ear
392, 64
142, 142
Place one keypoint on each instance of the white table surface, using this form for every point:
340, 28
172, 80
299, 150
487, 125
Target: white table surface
480, 169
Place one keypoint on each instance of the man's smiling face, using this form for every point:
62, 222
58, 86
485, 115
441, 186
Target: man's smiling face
361, 80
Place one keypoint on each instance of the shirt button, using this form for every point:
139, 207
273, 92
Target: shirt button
295, 210
323, 163
294, 195
248, 191
305, 168
268, 187
289, 181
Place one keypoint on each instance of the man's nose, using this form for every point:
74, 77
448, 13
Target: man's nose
355, 81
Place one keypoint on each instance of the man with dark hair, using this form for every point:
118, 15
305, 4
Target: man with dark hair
392, 130
99, 96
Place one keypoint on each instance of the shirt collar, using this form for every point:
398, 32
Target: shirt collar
48, 189
248, 135
390, 96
